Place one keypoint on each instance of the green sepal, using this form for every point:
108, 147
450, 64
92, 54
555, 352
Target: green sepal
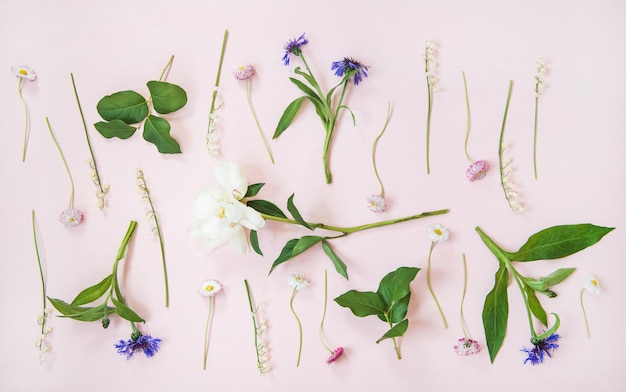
496, 312
288, 115
362, 303
397, 331
125, 312
115, 128
156, 130
254, 242
535, 306
291, 207
340, 266
266, 207
94, 292
166, 97
127, 106
254, 189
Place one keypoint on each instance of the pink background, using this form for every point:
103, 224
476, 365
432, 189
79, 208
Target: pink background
120, 45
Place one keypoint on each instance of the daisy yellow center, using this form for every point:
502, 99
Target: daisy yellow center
23, 72
209, 288
594, 282
438, 231
242, 68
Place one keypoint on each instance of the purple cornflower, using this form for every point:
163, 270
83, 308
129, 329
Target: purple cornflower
138, 342
477, 170
338, 352
347, 65
293, 47
541, 347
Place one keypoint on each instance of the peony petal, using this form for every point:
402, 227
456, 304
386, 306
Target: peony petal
252, 219
231, 177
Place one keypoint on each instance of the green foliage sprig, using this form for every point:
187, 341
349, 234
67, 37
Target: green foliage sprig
389, 303
123, 109
552, 243
109, 288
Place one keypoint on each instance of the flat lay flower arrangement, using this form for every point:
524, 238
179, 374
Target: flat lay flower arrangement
231, 211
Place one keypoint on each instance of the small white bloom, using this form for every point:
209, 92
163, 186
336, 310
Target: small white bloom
591, 284
298, 281
376, 203
209, 288
438, 233
24, 72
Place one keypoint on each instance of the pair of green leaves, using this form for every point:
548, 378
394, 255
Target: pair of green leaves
552, 243
295, 246
389, 303
122, 110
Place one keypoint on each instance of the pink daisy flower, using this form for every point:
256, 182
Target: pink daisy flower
477, 170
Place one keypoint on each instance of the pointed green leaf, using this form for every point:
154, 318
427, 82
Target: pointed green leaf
291, 207
285, 254
288, 115
397, 331
559, 241
344, 107
305, 243
322, 111
94, 292
557, 276
266, 207
253, 189
496, 312
399, 309
115, 128
534, 284
80, 313
396, 284
166, 97
340, 266
254, 242
156, 130
309, 78
125, 312
362, 303
535, 306
127, 106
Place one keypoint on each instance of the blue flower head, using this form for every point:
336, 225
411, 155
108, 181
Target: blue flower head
348, 65
293, 47
138, 342
541, 347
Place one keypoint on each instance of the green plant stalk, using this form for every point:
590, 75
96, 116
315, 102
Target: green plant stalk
348, 230
293, 295
321, 328
535, 130
582, 306
469, 120
67, 169
20, 86
206, 332
500, 146
121, 253
256, 328
465, 334
430, 287
375, 144
217, 82
395, 343
41, 274
256, 121
428, 117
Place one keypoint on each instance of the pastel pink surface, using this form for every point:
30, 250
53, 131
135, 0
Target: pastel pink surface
121, 45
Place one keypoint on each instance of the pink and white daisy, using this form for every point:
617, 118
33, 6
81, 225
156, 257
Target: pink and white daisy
466, 347
338, 352
24, 72
244, 72
376, 203
477, 170
71, 217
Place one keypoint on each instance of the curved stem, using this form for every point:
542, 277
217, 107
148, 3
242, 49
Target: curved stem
321, 328
67, 169
293, 295
41, 274
207, 332
256, 121
430, 288
501, 143
582, 306
469, 121
20, 86
375, 144
465, 334
166, 69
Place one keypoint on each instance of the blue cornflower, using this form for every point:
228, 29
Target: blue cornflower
138, 342
541, 347
293, 47
347, 65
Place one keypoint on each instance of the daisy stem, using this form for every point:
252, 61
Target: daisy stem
324, 313
469, 121
582, 306
67, 169
501, 148
430, 288
20, 86
207, 331
41, 274
348, 230
375, 144
217, 83
465, 334
535, 131
293, 295
256, 121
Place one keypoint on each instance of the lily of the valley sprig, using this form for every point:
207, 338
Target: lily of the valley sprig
326, 106
69, 216
260, 344
437, 234
222, 213
592, 286
42, 320
245, 72
208, 289
477, 169
510, 192
212, 141
431, 84
376, 202
298, 282
538, 87
465, 346
101, 190
389, 303
552, 243
336, 353
24, 74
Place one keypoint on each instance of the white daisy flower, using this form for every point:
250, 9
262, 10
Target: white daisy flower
438, 233
591, 284
209, 288
24, 72
298, 281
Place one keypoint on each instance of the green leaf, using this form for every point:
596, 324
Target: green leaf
166, 97
535, 306
362, 303
340, 266
94, 292
396, 284
291, 207
156, 130
125, 312
80, 313
254, 189
399, 309
127, 106
315, 99
288, 115
552, 329
557, 276
305, 243
559, 241
115, 128
266, 207
254, 242
344, 107
285, 254
397, 331
307, 77
496, 312
534, 284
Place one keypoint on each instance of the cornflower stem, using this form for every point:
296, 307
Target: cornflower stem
321, 328
535, 131
41, 274
93, 158
348, 230
469, 119
428, 117
207, 331
501, 143
330, 127
20, 86
582, 306
256, 328
121, 254
375, 145
256, 121
430, 288
293, 295
67, 169
465, 334
217, 83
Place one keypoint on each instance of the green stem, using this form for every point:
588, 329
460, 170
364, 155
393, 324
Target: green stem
161, 246
582, 306
516, 276
501, 148
535, 131
469, 121
20, 86
256, 121
206, 332
293, 295
166, 69
465, 334
121, 253
67, 169
348, 230
41, 274
217, 81
395, 342
428, 116
321, 328
430, 288
252, 312
375, 144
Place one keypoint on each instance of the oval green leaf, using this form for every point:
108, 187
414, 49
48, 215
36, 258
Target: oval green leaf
340, 266
396, 284
127, 106
266, 207
156, 130
253, 189
166, 97
362, 303
288, 115
115, 128
125, 312
397, 331
496, 312
291, 207
254, 242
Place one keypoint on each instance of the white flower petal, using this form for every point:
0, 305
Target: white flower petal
231, 177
